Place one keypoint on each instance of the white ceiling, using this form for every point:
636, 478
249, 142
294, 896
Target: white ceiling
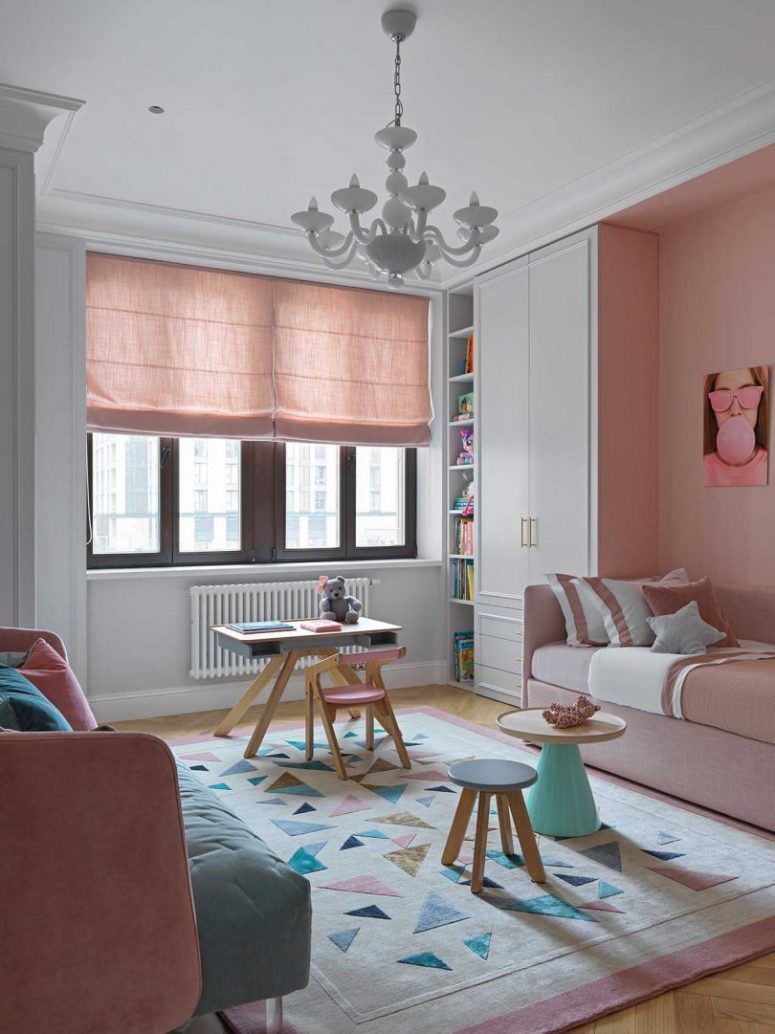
270, 101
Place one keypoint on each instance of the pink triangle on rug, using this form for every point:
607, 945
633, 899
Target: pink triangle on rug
363, 885
405, 840
205, 755
690, 879
350, 804
601, 906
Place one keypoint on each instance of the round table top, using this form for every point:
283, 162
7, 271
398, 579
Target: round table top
530, 724
492, 774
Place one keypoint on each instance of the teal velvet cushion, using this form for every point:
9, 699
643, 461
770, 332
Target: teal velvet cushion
24, 708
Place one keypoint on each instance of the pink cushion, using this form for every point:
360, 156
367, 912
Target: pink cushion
341, 697
669, 599
54, 677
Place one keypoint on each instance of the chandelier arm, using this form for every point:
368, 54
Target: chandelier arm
419, 230
344, 261
437, 237
468, 261
423, 270
366, 236
329, 252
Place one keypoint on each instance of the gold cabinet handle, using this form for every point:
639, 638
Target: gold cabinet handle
522, 522
530, 541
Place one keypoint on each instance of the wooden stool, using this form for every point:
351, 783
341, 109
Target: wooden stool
350, 692
505, 780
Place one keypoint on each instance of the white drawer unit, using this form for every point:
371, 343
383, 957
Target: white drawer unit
501, 626
499, 685
505, 654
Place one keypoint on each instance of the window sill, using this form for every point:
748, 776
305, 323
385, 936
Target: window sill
230, 572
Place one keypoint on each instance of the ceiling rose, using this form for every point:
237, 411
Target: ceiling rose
401, 241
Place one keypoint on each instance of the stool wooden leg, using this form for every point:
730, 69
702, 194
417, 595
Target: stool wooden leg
309, 721
527, 840
370, 727
457, 832
328, 725
480, 842
504, 821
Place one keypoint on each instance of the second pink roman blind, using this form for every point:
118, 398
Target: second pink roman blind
182, 351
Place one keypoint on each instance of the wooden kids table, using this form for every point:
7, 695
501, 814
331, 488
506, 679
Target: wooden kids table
284, 650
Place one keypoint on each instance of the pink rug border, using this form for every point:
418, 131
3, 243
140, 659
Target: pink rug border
628, 987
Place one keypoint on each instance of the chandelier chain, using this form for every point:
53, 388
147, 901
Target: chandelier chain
397, 84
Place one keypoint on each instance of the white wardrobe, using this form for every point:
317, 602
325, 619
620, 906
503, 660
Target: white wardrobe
537, 424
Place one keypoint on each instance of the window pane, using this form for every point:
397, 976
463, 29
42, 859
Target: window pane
125, 493
311, 518
209, 495
379, 496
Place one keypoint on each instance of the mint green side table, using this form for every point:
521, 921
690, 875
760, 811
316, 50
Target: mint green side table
560, 804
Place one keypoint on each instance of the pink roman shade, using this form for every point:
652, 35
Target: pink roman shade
351, 366
177, 350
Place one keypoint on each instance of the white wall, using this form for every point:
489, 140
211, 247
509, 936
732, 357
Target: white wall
140, 647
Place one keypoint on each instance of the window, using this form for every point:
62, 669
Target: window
164, 501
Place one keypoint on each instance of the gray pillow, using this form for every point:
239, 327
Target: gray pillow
683, 632
12, 658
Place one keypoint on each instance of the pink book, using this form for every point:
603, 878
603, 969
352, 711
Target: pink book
321, 625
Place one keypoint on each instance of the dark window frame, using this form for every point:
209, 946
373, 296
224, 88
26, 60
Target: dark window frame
262, 514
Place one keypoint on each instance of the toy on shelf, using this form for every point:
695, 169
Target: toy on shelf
334, 604
567, 717
465, 406
466, 454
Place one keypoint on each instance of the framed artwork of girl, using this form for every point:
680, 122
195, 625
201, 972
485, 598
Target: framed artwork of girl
736, 427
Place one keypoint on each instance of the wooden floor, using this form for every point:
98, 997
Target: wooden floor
737, 1001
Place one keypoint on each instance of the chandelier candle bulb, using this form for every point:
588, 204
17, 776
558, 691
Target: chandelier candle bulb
402, 241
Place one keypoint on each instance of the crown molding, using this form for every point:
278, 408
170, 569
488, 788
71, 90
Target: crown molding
25, 114
729, 131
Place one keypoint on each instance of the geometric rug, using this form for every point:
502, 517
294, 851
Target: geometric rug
658, 897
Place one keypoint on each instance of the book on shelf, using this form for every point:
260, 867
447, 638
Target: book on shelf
469, 354
463, 536
462, 576
463, 650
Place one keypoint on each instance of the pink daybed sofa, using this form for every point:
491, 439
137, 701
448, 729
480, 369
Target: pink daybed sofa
723, 758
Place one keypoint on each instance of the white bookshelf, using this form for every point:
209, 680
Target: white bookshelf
459, 327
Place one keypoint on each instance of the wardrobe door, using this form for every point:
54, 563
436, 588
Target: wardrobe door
561, 387
501, 441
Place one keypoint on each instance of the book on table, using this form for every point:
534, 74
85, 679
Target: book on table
250, 627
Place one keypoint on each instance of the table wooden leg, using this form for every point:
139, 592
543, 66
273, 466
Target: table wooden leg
288, 664
457, 832
309, 721
504, 821
480, 843
247, 698
527, 840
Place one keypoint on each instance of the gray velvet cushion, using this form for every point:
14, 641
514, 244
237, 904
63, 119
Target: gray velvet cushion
253, 912
683, 632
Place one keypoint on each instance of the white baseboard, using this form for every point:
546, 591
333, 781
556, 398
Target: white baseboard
209, 695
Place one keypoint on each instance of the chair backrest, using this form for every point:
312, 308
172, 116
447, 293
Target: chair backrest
21, 639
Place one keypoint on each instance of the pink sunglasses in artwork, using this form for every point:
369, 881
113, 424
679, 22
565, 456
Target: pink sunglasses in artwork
748, 396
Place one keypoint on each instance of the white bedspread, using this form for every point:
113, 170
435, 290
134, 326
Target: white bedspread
634, 676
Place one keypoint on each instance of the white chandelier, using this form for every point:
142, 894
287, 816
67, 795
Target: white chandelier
402, 240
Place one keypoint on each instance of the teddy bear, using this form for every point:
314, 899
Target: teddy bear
334, 605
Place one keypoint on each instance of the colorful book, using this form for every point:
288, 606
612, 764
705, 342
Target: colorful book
250, 627
321, 625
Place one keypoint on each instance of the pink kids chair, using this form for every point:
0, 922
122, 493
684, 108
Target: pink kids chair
348, 691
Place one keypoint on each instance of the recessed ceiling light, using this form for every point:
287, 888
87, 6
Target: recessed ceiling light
156, 109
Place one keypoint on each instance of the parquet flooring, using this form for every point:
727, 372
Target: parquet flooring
738, 1001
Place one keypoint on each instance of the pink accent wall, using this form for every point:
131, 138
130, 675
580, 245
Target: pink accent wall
717, 311
628, 329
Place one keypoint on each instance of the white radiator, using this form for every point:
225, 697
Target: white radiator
262, 601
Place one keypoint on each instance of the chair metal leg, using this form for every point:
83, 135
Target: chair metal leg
274, 1016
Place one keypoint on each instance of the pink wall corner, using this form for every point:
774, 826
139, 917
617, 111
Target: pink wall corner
717, 311
628, 329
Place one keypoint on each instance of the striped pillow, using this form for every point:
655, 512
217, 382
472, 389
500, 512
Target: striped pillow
583, 621
623, 608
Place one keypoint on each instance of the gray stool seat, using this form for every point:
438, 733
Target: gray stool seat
492, 775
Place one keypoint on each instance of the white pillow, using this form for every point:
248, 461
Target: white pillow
684, 631
623, 607
584, 624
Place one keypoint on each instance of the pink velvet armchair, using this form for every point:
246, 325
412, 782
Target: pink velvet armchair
95, 900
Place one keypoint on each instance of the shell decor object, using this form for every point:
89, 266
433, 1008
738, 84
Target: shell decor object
566, 717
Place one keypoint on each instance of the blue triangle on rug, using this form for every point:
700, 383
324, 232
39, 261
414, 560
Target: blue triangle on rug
607, 854
313, 766
479, 945
576, 881
454, 873
486, 882
392, 794
607, 890
439, 789
425, 801
270, 752
508, 861
350, 842
435, 912
369, 912
549, 905
344, 938
426, 959
301, 745
304, 861
275, 800
304, 809
218, 786
666, 838
377, 834
350, 735
556, 863
297, 829
663, 856
255, 780
199, 768
239, 768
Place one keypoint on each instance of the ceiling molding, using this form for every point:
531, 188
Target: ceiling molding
25, 114
729, 131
